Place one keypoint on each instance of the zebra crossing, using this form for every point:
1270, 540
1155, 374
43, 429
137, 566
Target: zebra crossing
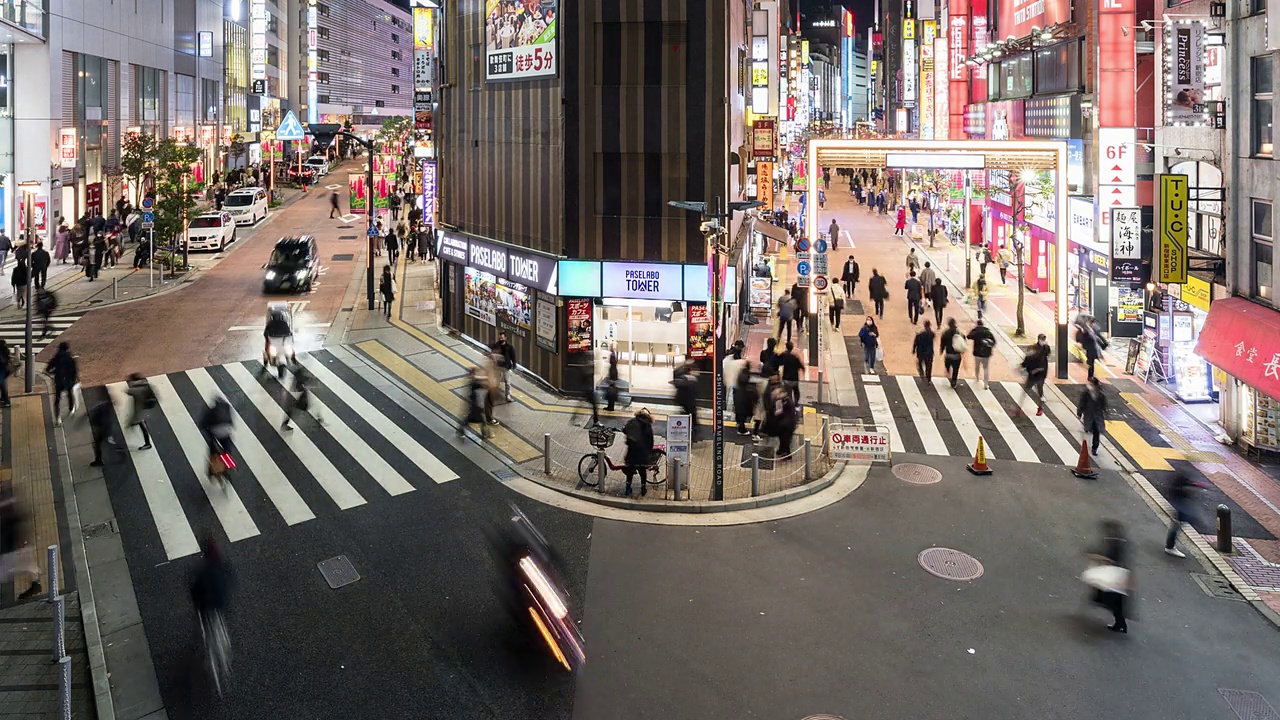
14, 332
931, 418
356, 447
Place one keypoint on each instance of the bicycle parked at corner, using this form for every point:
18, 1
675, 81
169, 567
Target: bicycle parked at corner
602, 438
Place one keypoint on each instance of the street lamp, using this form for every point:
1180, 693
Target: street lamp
29, 190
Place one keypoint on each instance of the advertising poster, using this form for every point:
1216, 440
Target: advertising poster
515, 311
382, 185
1126, 245
701, 336
1171, 209
1128, 304
385, 164
359, 193
762, 138
764, 183
579, 330
1017, 18
761, 293
481, 297
546, 317
520, 39
69, 146
1186, 73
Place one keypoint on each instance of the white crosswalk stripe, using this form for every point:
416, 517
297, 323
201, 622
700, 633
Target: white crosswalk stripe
14, 332
282, 477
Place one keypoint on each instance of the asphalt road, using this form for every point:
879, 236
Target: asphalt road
195, 325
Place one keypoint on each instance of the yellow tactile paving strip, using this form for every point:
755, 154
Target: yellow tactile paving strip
1153, 418
33, 481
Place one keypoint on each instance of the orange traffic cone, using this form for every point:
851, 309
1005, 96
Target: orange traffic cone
979, 466
1084, 467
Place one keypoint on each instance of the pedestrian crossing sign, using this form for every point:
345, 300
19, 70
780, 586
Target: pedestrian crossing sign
290, 128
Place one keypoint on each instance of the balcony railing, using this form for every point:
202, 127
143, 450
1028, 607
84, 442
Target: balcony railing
26, 14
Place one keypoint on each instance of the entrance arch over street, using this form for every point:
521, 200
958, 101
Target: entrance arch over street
1014, 155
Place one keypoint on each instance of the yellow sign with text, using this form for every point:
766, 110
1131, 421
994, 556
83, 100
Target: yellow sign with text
1171, 205
764, 183
908, 29
1197, 293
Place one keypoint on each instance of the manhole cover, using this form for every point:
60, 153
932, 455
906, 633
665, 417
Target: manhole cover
340, 257
950, 564
338, 571
348, 237
824, 717
1216, 586
1249, 705
916, 474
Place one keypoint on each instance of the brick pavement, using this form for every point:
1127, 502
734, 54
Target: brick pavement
28, 675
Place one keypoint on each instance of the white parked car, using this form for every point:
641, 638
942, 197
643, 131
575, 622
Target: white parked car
247, 205
318, 163
211, 231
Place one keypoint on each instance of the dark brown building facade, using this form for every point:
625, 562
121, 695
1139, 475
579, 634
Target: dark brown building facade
645, 109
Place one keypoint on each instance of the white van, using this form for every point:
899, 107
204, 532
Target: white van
246, 205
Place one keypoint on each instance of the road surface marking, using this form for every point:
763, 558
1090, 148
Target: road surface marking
959, 414
922, 418
883, 415
1012, 436
1066, 453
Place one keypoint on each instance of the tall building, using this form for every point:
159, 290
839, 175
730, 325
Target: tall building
353, 61
563, 137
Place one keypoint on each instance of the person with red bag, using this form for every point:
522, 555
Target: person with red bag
215, 425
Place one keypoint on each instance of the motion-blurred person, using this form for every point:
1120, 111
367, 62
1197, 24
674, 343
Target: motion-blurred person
298, 402
611, 390
143, 401
769, 358
506, 362
639, 434
1180, 490
17, 553
878, 290
6, 369
1036, 364
781, 422
790, 366
65, 373
1092, 411
685, 380
216, 426
922, 347
46, 303
18, 279
100, 417
492, 386
953, 347
473, 413
334, 207
1109, 575
746, 395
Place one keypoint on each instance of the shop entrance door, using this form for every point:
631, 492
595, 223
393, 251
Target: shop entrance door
650, 338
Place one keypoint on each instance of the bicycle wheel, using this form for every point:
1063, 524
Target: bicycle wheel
587, 466
218, 648
658, 468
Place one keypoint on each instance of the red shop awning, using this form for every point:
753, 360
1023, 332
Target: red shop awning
1243, 339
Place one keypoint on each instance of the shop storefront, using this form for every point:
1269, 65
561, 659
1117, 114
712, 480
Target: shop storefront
1191, 375
1240, 340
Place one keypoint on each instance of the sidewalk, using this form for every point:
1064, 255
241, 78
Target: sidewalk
435, 363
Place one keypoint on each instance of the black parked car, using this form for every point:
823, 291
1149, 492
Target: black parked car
293, 266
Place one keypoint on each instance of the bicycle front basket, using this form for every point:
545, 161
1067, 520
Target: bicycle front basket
602, 436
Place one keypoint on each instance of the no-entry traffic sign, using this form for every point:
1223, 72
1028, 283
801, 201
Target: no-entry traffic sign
802, 245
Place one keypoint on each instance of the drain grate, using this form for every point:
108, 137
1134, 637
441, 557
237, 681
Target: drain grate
917, 474
1216, 586
1249, 705
950, 564
341, 257
338, 571
101, 529
766, 456
505, 474
345, 227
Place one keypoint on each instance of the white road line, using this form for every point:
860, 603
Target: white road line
224, 499
922, 417
959, 414
1067, 454
436, 470
171, 522
1022, 450
325, 474
883, 415
283, 495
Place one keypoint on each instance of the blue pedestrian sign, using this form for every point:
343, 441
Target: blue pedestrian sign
802, 268
290, 128
820, 246
373, 231
802, 245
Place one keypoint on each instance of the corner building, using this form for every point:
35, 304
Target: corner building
555, 177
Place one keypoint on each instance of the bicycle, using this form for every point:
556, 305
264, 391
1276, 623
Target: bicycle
217, 643
601, 438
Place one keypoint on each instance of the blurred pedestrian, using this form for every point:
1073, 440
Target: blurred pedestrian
18, 279
730, 369
1036, 365
928, 276
639, 436
786, 314
980, 291
40, 261
17, 548
984, 342
746, 395
1180, 489
387, 287
1110, 576
915, 297
66, 374
953, 348
878, 290
849, 276
611, 391
781, 422
473, 412
334, 206
6, 369
492, 386
922, 347
1091, 341
62, 244
869, 336
1092, 411
143, 401
685, 380
769, 358
219, 197
99, 417
938, 298
506, 362
790, 366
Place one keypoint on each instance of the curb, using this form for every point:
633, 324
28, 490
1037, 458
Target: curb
695, 507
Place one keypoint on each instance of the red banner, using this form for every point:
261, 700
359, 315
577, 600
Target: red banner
1017, 17
1243, 339
579, 334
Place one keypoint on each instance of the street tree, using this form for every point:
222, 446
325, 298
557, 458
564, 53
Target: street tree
1031, 189
138, 155
175, 194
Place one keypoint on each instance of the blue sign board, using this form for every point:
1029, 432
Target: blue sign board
290, 128
802, 245
148, 217
820, 246
802, 268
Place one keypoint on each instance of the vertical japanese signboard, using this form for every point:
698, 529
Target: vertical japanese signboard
1171, 226
1185, 76
258, 42
313, 70
1126, 245
928, 34
764, 183
68, 147
429, 190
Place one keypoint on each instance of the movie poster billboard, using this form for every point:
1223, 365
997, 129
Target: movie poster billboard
515, 311
520, 39
579, 330
480, 297
359, 193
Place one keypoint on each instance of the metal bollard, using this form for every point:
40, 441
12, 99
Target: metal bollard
59, 628
64, 688
52, 554
755, 474
821, 384
602, 469
546, 453
115, 288
825, 449
808, 457
1224, 529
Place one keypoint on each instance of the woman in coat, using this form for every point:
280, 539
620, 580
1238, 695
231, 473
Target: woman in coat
952, 351
62, 246
639, 434
869, 336
387, 286
745, 397
19, 281
900, 227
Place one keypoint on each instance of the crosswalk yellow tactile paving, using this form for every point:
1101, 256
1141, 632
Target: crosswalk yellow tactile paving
1146, 455
1153, 418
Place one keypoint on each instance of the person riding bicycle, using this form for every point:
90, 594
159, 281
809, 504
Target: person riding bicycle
212, 581
639, 434
215, 425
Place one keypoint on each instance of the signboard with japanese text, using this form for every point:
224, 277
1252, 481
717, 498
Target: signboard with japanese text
1184, 79
701, 335
679, 436
763, 137
68, 147
429, 190
860, 442
1171, 226
520, 39
579, 328
1126, 245
1018, 18
1197, 293
764, 183
547, 319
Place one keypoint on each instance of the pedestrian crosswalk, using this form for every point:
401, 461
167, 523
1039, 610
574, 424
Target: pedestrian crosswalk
931, 418
355, 447
14, 332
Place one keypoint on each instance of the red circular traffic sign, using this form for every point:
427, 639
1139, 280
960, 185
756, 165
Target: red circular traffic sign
820, 282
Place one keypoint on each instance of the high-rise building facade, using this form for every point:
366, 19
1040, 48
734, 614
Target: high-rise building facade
363, 61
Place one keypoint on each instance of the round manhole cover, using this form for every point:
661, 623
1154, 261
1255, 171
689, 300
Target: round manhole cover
950, 564
824, 717
916, 474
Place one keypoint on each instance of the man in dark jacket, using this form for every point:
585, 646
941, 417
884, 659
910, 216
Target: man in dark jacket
746, 394
1092, 411
938, 296
790, 364
40, 266
507, 361
769, 358
922, 346
849, 276
915, 297
950, 355
1036, 364
984, 342
685, 378
62, 368
878, 289
639, 434
1180, 498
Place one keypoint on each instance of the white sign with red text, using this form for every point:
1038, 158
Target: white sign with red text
1117, 155
859, 442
